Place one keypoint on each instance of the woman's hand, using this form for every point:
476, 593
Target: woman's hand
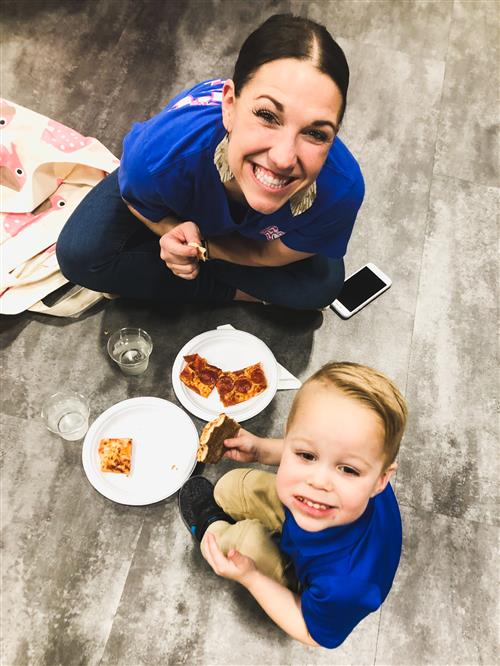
235, 566
244, 447
177, 254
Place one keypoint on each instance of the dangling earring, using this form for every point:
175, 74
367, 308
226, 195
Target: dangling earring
221, 161
302, 201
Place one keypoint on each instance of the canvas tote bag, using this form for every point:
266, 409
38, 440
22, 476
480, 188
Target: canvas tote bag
46, 169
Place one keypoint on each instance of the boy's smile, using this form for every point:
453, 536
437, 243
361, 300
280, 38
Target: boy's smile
333, 459
313, 508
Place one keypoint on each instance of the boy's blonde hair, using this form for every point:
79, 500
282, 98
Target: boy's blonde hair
372, 389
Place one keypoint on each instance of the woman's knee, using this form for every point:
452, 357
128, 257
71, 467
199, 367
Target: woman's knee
74, 254
68, 253
94, 233
322, 286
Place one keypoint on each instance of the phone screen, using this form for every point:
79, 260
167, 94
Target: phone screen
359, 288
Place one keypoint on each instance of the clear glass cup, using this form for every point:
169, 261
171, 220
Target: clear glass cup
130, 348
66, 414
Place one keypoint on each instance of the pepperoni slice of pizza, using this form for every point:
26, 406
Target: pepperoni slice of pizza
199, 375
240, 385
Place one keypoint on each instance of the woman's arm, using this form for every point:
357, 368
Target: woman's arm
175, 237
282, 605
232, 248
159, 228
247, 252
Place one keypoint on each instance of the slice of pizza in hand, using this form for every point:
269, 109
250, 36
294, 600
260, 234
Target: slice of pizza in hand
211, 447
201, 252
240, 385
199, 375
115, 454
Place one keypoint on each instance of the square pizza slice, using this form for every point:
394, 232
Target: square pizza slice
199, 375
240, 385
115, 454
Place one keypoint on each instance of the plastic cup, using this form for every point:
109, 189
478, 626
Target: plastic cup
66, 414
130, 348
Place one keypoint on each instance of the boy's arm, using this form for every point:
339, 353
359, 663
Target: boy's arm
280, 603
282, 606
246, 447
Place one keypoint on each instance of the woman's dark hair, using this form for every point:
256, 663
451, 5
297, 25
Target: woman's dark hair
288, 36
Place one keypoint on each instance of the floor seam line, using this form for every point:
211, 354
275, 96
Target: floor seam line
445, 515
122, 592
427, 221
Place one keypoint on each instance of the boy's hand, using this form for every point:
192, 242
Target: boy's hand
242, 448
246, 448
280, 603
235, 566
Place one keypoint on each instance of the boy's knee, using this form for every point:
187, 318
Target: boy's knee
227, 490
253, 538
254, 541
250, 493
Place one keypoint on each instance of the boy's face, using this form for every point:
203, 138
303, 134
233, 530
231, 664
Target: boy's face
332, 459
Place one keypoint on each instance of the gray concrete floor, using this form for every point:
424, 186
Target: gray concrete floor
87, 581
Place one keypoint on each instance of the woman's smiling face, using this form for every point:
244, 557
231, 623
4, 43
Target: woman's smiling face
281, 128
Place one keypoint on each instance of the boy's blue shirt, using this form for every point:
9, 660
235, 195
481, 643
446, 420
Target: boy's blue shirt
167, 167
345, 572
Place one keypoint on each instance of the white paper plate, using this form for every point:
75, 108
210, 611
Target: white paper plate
228, 350
164, 447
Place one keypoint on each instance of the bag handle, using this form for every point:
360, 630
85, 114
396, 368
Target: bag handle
75, 303
29, 273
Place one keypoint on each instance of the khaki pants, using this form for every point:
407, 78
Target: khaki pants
249, 496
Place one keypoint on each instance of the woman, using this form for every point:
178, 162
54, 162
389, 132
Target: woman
251, 168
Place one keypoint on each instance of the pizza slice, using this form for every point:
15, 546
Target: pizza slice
240, 385
199, 375
211, 447
115, 454
201, 251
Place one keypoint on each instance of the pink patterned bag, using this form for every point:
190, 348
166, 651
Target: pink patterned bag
45, 171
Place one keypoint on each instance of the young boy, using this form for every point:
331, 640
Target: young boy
330, 500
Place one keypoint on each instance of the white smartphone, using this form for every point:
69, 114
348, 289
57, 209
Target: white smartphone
359, 289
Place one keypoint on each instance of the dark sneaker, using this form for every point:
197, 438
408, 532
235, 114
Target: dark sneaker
198, 507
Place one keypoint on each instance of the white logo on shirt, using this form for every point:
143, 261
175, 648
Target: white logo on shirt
271, 233
214, 98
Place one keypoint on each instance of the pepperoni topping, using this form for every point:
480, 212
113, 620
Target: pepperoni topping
225, 384
243, 385
258, 376
208, 376
190, 358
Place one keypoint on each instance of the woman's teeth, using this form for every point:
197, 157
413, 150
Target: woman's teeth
314, 505
270, 180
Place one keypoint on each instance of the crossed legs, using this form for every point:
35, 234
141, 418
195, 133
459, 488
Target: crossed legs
249, 496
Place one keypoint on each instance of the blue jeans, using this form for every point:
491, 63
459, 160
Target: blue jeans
105, 248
